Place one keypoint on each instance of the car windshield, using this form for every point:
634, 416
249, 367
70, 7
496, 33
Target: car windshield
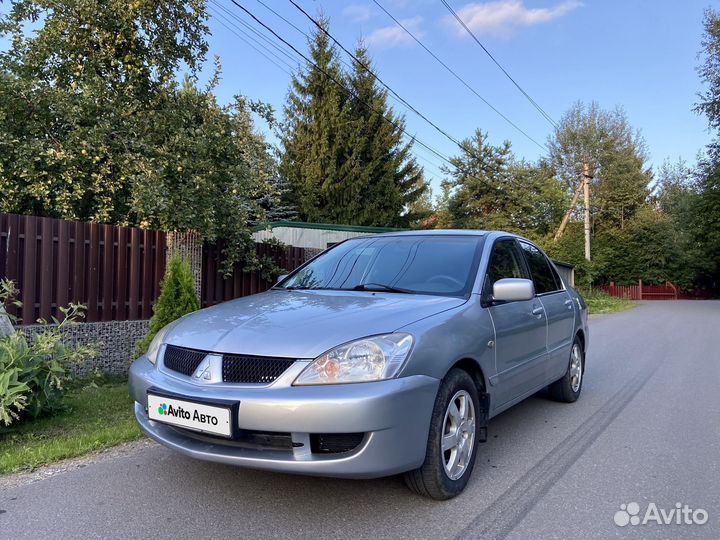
435, 265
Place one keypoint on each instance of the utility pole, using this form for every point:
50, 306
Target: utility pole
569, 212
586, 192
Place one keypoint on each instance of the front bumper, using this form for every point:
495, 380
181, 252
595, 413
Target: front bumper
394, 415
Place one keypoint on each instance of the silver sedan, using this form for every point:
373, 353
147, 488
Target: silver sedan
385, 354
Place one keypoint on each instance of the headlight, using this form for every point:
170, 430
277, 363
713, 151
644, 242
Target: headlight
370, 359
156, 343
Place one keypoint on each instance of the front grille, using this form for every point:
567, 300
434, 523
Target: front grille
182, 360
253, 369
334, 443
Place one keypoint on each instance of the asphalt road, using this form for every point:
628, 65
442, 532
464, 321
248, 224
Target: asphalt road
646, 429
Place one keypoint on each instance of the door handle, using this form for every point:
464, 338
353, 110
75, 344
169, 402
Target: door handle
538, 311
569, 303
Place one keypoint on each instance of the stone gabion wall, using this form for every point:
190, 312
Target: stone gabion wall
115, 341
311, 252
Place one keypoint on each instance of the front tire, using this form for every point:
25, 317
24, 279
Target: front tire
568, 388
452, 442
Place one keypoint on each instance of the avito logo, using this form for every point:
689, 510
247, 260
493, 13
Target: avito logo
682, 514
179, 412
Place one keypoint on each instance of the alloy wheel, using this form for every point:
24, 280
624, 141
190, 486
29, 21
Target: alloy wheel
458, 439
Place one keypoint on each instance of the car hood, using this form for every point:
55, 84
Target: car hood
301, 324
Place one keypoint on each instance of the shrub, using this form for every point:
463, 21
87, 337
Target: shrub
34, 373
177, 298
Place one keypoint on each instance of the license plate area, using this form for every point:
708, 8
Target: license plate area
215, 417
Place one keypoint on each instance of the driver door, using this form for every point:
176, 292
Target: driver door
520, 328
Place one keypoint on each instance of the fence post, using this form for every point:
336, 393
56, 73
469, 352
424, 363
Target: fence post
640, 288
188, 245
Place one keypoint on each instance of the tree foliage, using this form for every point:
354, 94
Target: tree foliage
707, 206
94, 125
709, 70
616, 157
177, 298
344, 156
489, 188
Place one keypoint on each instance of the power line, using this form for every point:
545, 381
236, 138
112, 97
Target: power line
458, 77
235, 30
378, 79
290, 23
436, 170
524, 93
335, 81
251, 28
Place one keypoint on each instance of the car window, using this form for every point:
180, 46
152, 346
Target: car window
506, 261
542, 273
438, 265
558, 279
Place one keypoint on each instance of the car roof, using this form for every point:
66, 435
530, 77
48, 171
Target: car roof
451, 232
489, 235
436, 232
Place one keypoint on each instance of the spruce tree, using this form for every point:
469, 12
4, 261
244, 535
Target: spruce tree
382, 177
313, 125
344, 157
177, 298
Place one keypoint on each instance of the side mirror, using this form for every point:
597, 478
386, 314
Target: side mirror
280, 278
513, 290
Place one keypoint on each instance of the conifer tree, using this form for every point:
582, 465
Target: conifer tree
313, 122
383, 179
344, 158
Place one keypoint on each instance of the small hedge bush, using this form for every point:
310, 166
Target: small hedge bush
177, 298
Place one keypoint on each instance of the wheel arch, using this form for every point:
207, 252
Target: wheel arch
473, 368
581, 334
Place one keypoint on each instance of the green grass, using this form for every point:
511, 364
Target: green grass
600, 303
96, 418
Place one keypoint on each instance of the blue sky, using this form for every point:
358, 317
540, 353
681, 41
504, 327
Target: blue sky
638, 55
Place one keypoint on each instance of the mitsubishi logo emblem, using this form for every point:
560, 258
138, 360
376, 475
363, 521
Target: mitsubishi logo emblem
203, 371
210, 370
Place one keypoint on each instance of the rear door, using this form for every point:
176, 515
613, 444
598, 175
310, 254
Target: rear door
520, 328
559, 309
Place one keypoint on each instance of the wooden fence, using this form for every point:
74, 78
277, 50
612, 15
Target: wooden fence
642, 291
216, 288
114, 271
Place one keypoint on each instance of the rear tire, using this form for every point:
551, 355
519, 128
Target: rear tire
568, 388
453, 439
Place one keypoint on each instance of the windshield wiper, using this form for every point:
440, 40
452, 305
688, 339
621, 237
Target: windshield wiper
379, 287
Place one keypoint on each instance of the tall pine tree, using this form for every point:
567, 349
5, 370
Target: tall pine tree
345, 160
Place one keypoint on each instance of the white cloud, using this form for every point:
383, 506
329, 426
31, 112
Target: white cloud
357, 12
500, 16
393, 36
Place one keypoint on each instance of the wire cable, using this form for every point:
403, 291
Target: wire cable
375, 76
252, 29
458, 77
227, 25
524, 93
335, 81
